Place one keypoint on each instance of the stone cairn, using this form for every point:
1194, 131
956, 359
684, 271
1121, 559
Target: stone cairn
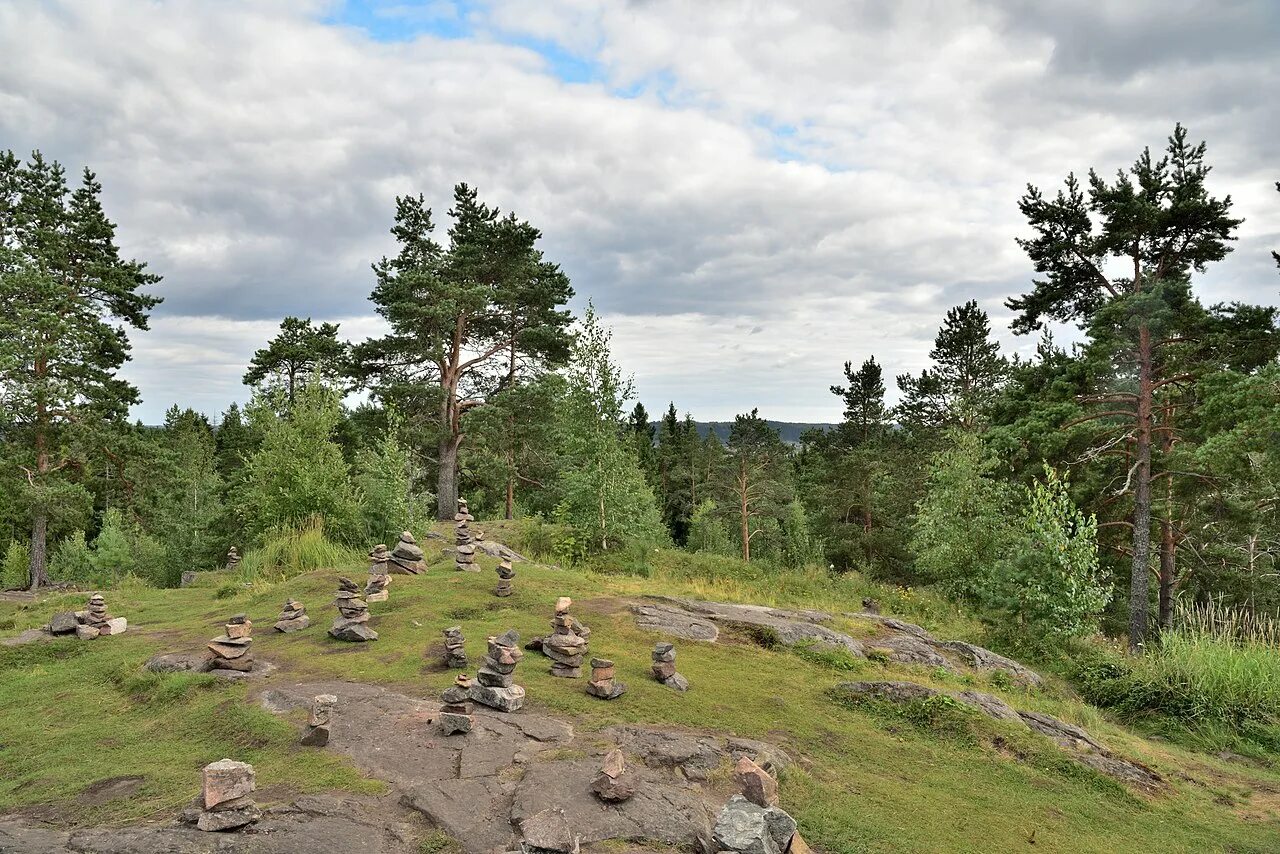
566, 646
293, 618
455, 651
231, 651
602, 683
493, 686
375, 590
317, 734
225, 801
505, 573
664, 667
233, 558
405, 558
752, 822
91, 622
455, 713
614, 784
464, 546
353, 614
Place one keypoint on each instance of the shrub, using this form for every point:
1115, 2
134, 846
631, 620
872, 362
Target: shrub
112, 549
15, 572
293, 550
72, 560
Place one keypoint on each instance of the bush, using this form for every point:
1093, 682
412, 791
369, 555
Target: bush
291, 551
15, 574
72, 560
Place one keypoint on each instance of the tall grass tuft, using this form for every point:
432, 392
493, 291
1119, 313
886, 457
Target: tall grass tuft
293, 550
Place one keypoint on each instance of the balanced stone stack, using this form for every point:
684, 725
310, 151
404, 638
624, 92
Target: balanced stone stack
231, 651
375, 590
233, 558
293, 617
464, 547
602, 683
494, 686
317, 734
664, 667
505, 573
353, 614
615, 784
225, 800
455, 713
406, 557
95, 621
455, 651
566, 646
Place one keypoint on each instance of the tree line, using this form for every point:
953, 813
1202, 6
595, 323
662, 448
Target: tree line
1145, 457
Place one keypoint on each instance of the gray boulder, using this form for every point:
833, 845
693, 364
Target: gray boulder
743, 827
63, 623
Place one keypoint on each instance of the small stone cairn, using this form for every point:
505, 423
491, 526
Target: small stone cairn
90, 623
566, 646
317, 734
233, 558
602, 683
505, 573
664, 667
494, 686
225, 801
293, 618
231, 651
752, 822
353, 614
405, 558
455, 650
464, 546
375, 590
455, 711
614, 784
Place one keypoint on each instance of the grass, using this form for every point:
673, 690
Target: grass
864, 780
293, 551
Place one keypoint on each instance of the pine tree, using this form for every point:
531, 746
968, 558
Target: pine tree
967, 372
1158, 220
300, 353
865, 414
466, 321
66, 299
754, 481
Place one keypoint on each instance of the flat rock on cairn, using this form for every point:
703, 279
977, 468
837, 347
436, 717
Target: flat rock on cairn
464, 547
602, 683
317, 732
406, 557
375, 590
353, 614
293, 617
506, 572
225, 802
232, 650
494, 686
455, 712
455, 650
664, 667
614, 784
566, 646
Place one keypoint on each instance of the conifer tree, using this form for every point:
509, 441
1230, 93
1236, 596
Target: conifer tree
754, 479
967, 371
300, 353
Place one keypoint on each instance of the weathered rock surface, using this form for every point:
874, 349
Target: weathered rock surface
741, 827
179, 662
63, 623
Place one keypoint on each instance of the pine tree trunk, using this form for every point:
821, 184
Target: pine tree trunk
1168, 572
511, 497
447, 480
39, 531
1139, 581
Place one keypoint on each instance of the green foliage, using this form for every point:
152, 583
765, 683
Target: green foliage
962, 527
301, 353
1051, 583
14, 571
299, 471
292, 550
382, 478
113, 547
709, 531
72, 559
968, 369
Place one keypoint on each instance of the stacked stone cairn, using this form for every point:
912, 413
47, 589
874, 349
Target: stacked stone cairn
494, 686
602, 683
233, 558
505, 573
566, 646
353, 614
664, 667
455, 712
455, 650
317, 734
91, 622
231, 651
375, 590
293, 618
405, 558
464, 546
225, 801
753, 823
614, 784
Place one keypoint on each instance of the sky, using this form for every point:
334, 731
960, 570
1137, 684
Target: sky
751, 193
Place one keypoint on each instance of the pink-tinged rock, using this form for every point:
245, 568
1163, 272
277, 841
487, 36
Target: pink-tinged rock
239, 630
562, 604
757, 785
114, 626
614, 763
86, 632
226, 779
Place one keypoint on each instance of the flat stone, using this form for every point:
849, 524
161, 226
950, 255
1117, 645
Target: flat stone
508, 699
224, 780
889, 691
87, 632
296, 624
64, 622
114, 626
238, 630
452, 723
228, 651
615, 762
352, 631
228, 819
178, 662
549, 831
741, 827
990, 705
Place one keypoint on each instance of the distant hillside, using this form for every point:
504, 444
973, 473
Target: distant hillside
790, 431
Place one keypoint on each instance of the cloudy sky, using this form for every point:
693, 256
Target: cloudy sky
751, 192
